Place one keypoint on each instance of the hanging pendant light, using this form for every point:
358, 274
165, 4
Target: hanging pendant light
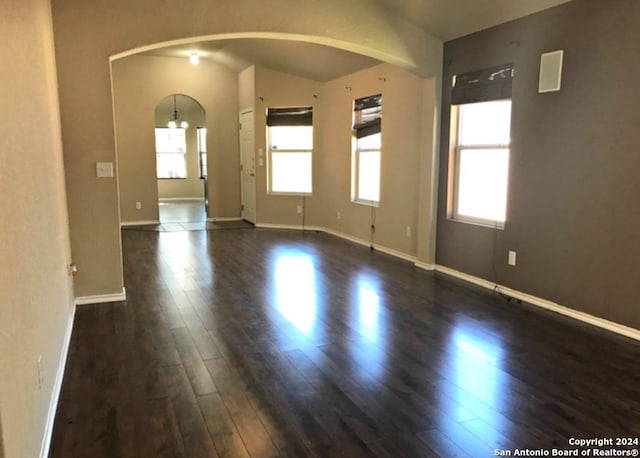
174, 121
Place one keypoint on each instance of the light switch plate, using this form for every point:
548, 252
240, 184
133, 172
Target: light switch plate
104, 169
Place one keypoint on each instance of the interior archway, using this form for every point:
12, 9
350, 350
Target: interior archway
110, 33
181, 160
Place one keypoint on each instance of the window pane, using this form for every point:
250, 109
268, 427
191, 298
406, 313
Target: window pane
291, 172
202, 150
202, 139
482, 183
369, 176
291, 137
171, 165
170, 140
370, 142
485, 123
203, 165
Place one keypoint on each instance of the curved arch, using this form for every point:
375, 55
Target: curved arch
89, 34
374, 53
183, 95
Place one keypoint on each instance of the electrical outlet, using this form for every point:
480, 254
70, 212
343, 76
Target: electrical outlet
138, 205
408, 231
339, 216
512, 258
299, 208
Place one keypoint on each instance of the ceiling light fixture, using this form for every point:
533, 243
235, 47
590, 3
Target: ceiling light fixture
194, 58
174, 121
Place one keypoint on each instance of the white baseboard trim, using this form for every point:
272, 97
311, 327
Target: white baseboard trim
292, 227
425, 266
215, 219
528, 298
545, 304
138, 223
376, 247
57, 387
342, 235
173, 199
102, 298
466, 277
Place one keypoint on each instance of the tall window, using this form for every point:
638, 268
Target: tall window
481, 135
367, 144
290, 136
171, 150
202, 150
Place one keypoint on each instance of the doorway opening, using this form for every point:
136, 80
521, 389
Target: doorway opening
181, 161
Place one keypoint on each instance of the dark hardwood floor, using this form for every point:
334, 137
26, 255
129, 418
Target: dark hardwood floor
263, 343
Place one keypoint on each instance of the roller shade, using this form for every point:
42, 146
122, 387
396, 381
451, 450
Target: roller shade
483, 85
367, 116
298, 116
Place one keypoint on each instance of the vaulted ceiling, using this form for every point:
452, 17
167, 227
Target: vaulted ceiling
449, 19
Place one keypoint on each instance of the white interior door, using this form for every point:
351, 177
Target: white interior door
248, 167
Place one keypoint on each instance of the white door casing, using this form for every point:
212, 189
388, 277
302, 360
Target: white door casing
248, 167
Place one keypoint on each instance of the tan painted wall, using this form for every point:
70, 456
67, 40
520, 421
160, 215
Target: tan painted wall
428, 181
408, 189
36, 295
140, 83
192, 186
87, 34
247, 88
276, 89
402, 127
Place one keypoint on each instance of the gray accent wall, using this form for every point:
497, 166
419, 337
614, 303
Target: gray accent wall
573, 213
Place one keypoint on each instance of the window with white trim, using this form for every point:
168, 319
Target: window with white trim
367, 147
481, 138
290, 140
202, 150
171, 150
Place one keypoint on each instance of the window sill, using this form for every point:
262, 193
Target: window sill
293, 194
481, 223
368, 203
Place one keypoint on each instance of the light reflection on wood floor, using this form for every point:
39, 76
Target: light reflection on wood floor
276, 343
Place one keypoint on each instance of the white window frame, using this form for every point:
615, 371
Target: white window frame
357, 150
355, 172
455, 165
270, 163
179, 155
202, 151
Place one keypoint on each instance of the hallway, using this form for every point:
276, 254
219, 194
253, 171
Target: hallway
181, 211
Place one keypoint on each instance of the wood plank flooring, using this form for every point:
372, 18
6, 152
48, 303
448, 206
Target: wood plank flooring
265, 343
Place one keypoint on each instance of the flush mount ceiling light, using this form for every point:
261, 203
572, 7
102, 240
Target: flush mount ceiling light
175, 121
194, 58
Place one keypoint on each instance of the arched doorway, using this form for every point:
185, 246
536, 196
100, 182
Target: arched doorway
181, 159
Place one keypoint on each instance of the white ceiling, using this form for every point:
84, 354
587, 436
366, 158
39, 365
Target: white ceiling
308, 60
445, 19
